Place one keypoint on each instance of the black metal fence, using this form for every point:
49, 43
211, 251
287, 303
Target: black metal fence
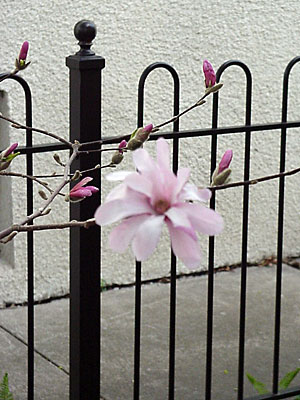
85, 126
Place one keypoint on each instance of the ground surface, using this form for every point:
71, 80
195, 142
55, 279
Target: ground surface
51, 338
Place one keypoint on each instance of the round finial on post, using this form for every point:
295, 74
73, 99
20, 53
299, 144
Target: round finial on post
85, 31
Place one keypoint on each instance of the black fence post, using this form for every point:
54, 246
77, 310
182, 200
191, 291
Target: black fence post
85, 125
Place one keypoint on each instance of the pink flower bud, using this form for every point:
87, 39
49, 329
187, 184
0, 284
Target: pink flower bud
225, 161
122, 145
148, 128
7, 155
10, 149
80, 192
209, 73
24, 51
139, 136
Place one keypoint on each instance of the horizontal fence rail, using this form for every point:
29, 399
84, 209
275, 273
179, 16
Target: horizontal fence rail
85, 78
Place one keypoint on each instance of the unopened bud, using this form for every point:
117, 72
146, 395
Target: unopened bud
9, 237
47, 211
117, 158
122, 145
142, 134
213, 89
225, 161
57, 159
76, 175
21, 60
134, 144
43, 195
209, 74
222, 178
139, 136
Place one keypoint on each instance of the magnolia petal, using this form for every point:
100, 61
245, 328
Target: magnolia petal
83, 182
147, 237
163, 154
118, 192
179, 218
182, 178
10, 149
191, 192
143, 160
121, 236
139, 183
204, 194
80, 193
203, 219
115, 210
118, 175
93, 189
184, 247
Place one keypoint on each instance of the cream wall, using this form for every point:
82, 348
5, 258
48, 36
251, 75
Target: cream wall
132, 34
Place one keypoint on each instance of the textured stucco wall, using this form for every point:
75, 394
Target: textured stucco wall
131, 35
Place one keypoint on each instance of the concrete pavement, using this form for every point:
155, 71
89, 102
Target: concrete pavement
51, 338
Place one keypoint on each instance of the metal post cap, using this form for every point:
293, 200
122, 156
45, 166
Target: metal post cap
85, 31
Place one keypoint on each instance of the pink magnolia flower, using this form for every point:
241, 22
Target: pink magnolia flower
209, 73
24, 51
152, 197
80, 192
225, 161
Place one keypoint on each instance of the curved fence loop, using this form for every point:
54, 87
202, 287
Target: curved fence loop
28, 102
30, 244
285, 87
141, 88
219, 73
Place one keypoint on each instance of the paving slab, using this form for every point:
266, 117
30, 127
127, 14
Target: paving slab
51, 335
50, 382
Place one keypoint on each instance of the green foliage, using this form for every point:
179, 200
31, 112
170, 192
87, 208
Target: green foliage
5, 393
133, 134
258, 386
283, 384
287, 379
102, 287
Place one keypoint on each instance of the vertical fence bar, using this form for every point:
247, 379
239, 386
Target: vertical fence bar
210, 293
172, 329
85, 125
172, 339
30, 252
137, 330
30, 244
211, 255
243, 291
280, 227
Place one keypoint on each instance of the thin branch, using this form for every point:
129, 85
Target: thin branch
14, 229
17, 125
72, 224
176, 117
255, 181
33, 178
40, 212
97, 150
81, 172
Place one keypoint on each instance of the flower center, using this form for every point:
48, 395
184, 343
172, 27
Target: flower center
161, 206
